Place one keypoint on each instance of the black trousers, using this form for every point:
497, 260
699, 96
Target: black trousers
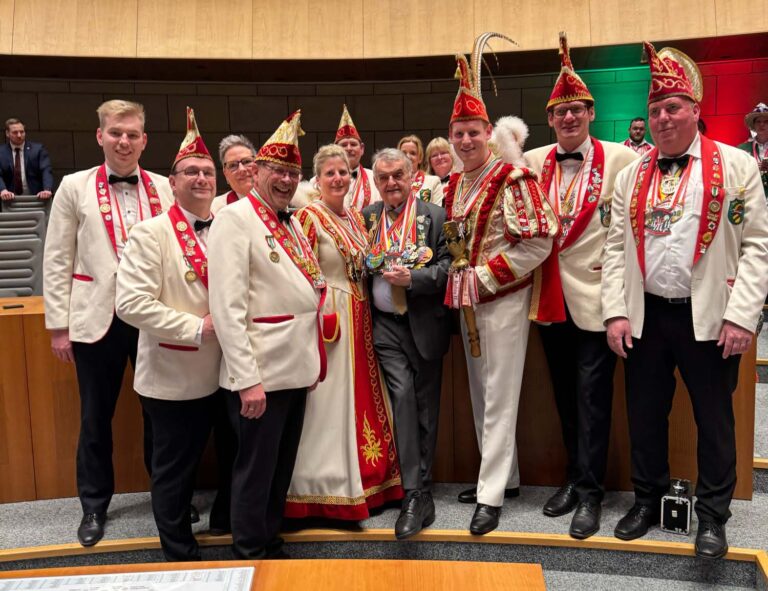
179, 435
414, 390
100, 367
266, 455
668, 342
581, 366
226, 447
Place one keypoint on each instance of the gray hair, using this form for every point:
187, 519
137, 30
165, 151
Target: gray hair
392, 155
232, 141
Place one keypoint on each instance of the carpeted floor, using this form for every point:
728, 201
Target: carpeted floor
55, 522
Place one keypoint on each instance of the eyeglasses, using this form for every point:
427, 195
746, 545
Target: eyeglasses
294, 175
192, 172
561, 112
235, 164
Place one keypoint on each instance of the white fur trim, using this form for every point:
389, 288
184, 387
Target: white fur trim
508, 139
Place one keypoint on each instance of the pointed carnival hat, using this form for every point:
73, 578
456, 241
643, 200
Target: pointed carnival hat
569, 85
760, 110
672, 74
469, 101
346, 127
193, 145
283, 146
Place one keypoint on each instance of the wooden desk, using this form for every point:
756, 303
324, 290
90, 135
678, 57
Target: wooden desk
39, 421
343, 575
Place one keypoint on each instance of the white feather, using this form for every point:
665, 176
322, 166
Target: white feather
508, 139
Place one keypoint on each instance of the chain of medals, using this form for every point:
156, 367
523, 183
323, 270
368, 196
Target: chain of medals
667, 201
194, 257
569, 200
293, 242
467, 194
349, 235
394, 240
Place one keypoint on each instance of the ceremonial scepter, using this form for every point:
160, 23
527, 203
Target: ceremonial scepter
456, 242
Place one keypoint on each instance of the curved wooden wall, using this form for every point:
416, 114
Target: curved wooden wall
313, 29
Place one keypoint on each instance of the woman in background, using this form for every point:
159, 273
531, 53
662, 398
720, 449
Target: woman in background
426, 187
440, 160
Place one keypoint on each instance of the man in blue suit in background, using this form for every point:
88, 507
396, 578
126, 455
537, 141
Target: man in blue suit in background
25, 167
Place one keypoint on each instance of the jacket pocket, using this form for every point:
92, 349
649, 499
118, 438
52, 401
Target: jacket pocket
178, 347
80, 277
273, 319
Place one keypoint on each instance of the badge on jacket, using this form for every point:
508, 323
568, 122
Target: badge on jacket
736, 211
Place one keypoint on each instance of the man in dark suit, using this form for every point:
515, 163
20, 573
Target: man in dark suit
25, 167
410, 263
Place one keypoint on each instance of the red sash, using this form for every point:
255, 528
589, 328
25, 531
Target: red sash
552, 303
364, 185
190, 245
304, 260
105, 207
232, 198
711, 204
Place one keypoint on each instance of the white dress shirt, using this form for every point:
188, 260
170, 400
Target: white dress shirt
669, 258
124, 196
568, 169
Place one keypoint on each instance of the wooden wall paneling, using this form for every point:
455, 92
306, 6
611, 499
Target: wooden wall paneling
310, 29
516, 19
736, 17
420, 27
618, 21
55, 417
539, 441
444, 462
18, 475
6, 26
85, 28
195, 29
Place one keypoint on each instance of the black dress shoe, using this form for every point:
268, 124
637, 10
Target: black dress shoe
710, 540
636, 522
91, 529
485, 519
417, 512
586, 520
470, 495
562, 502
194, 514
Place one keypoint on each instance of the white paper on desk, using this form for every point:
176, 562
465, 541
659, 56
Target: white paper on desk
213, 579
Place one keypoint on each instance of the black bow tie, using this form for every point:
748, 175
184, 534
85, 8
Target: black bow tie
284, 216
131, 180
446, 178
354, 174
200, 224
665, 164
569, 155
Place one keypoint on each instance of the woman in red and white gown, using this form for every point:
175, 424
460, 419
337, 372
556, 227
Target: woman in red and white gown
347, 460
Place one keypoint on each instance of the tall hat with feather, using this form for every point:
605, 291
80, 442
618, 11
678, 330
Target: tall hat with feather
469, 101
346, 128
569, 85
283, 147
673, 73
193, 145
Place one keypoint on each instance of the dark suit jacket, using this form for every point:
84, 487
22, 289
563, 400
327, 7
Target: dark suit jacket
427, 315
37, 166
